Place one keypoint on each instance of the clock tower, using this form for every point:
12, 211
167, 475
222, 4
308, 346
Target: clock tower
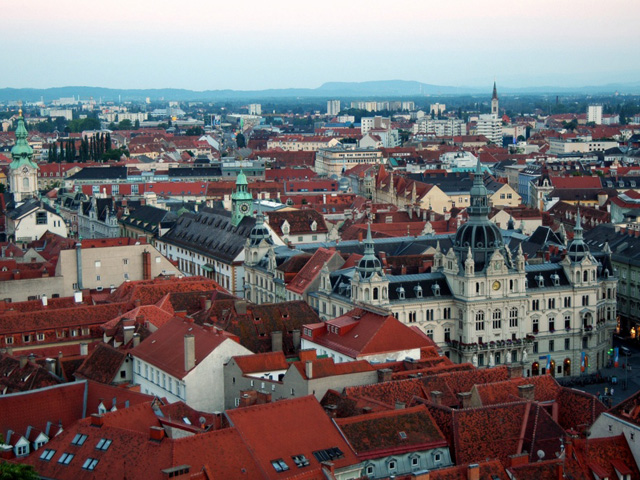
23, 172
241, 200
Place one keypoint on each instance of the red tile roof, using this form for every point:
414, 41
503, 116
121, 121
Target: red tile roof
326, 367
311, 270
394, 432
490, 469
265, 431
365, 333
165, 347
102, 365
261, 362
577, 182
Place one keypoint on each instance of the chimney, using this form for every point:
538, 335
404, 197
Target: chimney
146, 265
23, 361
308, 369
263, 397
79, 268
526, 392
384, 375
400, 405
307, 354
465, 399
156, 433
136, 339
276, 341
189, 352
515, 371
84, 349
45, 300
422, 475
473, 472
560, 471
245, 400
97, 420
296, 339
128, 331
436, 397
518, 459
77, 297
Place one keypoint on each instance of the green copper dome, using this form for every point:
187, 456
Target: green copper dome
21, 153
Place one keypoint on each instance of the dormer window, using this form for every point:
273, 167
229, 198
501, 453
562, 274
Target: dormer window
401, 293
540, 280
418, 291
436, 289
556, 279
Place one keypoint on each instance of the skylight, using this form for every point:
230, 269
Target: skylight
279, 465
66, 458
90, 463
103, 444
47, 454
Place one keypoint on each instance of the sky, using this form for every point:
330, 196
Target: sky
254, 45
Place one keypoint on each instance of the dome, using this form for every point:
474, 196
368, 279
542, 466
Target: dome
577, 251
259, 233
484, 235
367, 266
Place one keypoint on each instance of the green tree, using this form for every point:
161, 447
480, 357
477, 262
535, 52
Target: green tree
241, 141
195, 131
125, 125
136, 124
17, 471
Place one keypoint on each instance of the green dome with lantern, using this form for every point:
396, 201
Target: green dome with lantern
21, 153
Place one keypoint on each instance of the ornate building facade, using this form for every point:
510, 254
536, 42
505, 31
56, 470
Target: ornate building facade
483, 303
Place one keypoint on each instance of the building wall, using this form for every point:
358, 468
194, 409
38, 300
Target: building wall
608, 425
27, 228
106, 266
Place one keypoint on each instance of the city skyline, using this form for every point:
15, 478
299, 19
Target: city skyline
281, 44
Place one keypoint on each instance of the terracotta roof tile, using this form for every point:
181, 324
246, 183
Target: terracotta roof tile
102, 365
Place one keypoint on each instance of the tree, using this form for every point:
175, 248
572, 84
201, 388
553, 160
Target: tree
195, 131
125, 125
17, 471
241, 141
136, 124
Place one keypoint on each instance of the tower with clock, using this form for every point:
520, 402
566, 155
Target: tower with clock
241, 200
23, 172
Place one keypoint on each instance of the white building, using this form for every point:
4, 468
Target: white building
333, 108
28, 221
183, 361
377, 122
255, 109
490, 126
334, 161
594, 114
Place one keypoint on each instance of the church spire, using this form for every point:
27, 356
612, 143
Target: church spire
21, 153
495, 91
369, 264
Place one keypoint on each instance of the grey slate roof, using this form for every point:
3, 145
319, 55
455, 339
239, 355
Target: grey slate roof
100, 173
148, 218
210, 232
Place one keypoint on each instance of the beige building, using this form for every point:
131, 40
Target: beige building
334, 161
297, 143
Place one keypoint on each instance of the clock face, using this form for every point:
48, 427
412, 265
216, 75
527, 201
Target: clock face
244, 208
496, 285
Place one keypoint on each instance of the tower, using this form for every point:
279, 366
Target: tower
259, 241
23, 173
241, 200
494, 101
370, 284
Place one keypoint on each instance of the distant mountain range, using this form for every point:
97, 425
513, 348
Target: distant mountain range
388, 89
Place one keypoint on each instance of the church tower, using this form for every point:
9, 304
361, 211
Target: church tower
494, 102
241, 200
370, 284
23, 172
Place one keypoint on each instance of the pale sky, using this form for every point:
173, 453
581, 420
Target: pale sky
245, 45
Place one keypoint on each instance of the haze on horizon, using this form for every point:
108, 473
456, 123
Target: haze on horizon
250, 45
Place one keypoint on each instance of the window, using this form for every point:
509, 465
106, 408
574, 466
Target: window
415, 462
103, 444
125, 261
79, 439
567, 302
300, 460
535, 347
447, 334
497, 319
551, 345
536, 325
369, 470
8, 340
392, 465
40, 337
513, 317
41, 218
47, 454
437, 457
552, 303
552, 324
90, 463
279, 465
535, 305
567, 321
480, 320
22, 450
430, 333
66, 458
567, 344
585, 300
98, 263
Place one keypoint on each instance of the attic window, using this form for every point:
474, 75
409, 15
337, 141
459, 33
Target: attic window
418, 290
300, 461
90, 464
79, 439
436, 289
400, 292
540, 280
403, 435
279, 465
103, 444
556, 279
66, 458
47, 454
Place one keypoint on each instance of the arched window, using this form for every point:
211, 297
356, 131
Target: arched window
497, 318
513, 317
585, 276
366, 294
375, 293
25, 184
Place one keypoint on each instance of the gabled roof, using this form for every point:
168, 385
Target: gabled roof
364, 333
311, 270
102, 365
165, 347
326, 367
266, 432
394, 432
261, 362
